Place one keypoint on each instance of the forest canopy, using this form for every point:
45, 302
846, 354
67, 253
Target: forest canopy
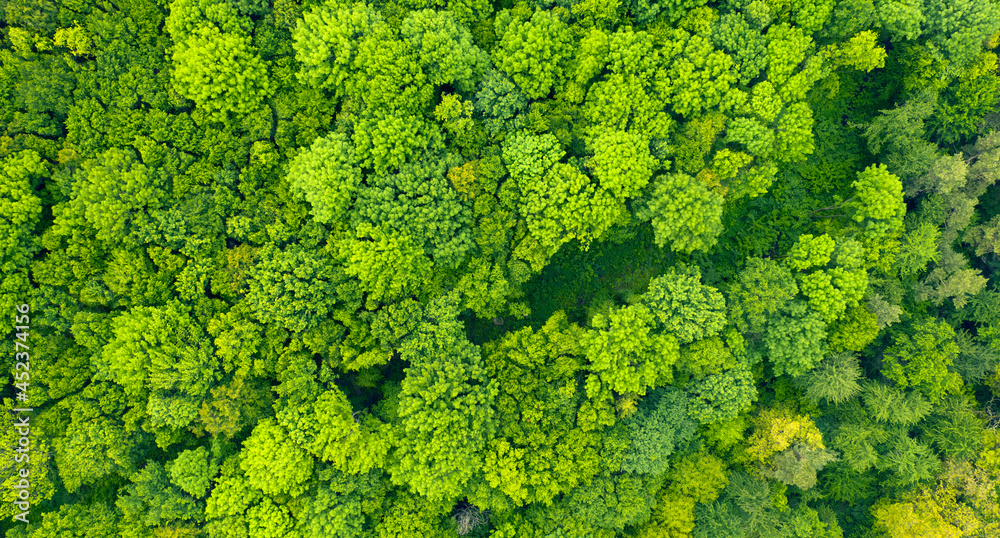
545, 268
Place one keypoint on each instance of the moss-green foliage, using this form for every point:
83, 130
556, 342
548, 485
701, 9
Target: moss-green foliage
215, 62
723, 396
685, 214
921, 358
437, 447
795, 341
436, 268
659, 427
533, 52
834, 380
21, 212
540, 450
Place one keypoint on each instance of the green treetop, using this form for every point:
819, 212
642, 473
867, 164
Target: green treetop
220, 72
628, 352
446, 408
447, 52
326, 42
922, 358
326, 175
273, 463
20, 212
685, 213
161, 352
683, 306
540, 450
532, 52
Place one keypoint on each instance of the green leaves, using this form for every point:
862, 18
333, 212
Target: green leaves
445, 409
746, 45
162, 353
902, 18
567, 205
338, 507
326, 42
609, 503
683, 306
96, 445
749, 504
886, 403
231, 495
532, 53
629, 354
860, 52
151, 501
499, 100
700, 76
685, 213
73, 521
446, 50
192, 471
660, 426
293, 287
409, 515
418, 201
273, 463
857, 444
897, 135
787, 47
622, 163
326, 175
957, 430
797, 466
794, 138
558, 201
220, 72
761, 289
916, 518
832, 289
699, 475
389, 266
834, 380
795, 341
541, 449
19, 206
922, 357
630, 102
187, 15
909, 461
384, 141
720, 397
880, 199
20, 213
645, 11
810, 251
330, 430
946, 175
985, 237
957, 30
754, 135
36, 459
961, 107
115, 193
918, 247
262, 246
214, 63
529, 157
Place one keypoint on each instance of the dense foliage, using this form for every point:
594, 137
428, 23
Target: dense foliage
545, 268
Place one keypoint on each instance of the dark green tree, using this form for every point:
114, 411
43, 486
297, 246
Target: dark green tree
660, 426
